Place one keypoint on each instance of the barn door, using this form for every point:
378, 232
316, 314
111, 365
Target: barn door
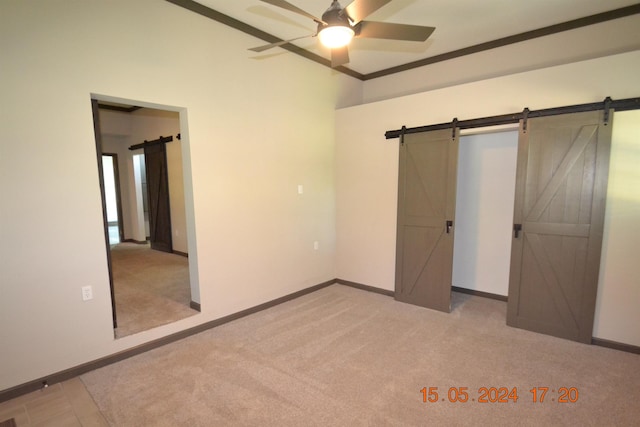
155, 157
561, 184
426, 208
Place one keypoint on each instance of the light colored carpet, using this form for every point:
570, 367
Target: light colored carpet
346, 357
151, 287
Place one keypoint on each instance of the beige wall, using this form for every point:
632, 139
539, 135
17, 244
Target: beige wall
593, 41
367, 169
251, 135
617, 310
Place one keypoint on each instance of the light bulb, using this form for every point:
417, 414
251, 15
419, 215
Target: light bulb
335, 36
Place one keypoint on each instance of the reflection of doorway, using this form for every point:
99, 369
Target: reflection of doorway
112, 197
140, 180
149, 287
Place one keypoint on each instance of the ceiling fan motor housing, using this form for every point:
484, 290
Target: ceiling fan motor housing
335, 15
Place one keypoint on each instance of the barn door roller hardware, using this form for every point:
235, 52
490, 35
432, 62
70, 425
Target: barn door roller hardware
161, 140
505, 119
525, 118
607, 107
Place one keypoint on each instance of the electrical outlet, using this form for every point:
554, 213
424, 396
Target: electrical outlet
316, 245
87, 293
300, 189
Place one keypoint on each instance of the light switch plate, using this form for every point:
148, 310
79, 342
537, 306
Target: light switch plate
87, 293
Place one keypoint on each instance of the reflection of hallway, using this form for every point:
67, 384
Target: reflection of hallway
151, 287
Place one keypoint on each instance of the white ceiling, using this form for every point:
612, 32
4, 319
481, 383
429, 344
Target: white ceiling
459, 24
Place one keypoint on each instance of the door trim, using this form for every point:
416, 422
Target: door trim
98, 140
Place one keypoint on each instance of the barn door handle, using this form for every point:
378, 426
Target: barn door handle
449, 225
517, 228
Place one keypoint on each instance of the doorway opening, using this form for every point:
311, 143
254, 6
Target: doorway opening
484, 211
112, 197
148, 219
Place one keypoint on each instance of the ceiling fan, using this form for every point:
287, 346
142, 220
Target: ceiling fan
339, 25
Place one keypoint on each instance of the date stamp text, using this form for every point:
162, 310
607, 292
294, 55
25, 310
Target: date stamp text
499, 395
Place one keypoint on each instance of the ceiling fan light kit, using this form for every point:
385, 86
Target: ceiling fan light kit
335, 36
339, 26
335, 29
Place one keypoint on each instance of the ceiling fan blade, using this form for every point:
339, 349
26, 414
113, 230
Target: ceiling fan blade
280, 43
360, 9
339, 56
386, 30
288, 6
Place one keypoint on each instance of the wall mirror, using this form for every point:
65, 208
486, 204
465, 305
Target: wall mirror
144, 169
